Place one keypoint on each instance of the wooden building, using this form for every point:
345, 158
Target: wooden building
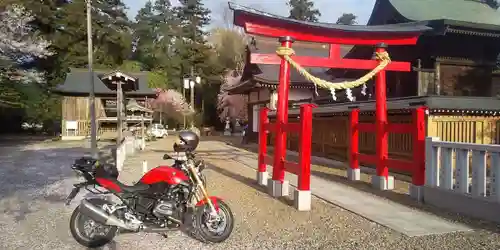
453, 73
75, 103
458, 58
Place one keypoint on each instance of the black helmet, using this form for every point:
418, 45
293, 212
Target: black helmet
187, 141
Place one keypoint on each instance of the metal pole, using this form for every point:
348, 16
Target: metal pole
93, 125
119, 108
183, 114
192, 93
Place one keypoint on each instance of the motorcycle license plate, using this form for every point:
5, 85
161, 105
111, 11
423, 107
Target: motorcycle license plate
72, 195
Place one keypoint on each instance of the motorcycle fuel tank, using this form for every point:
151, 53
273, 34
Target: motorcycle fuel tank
169, 175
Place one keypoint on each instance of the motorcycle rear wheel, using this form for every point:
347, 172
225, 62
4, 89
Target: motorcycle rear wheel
79, 222
204, 230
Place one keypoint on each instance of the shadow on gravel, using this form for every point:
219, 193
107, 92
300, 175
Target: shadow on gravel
110, 246
400, 198
247, 181
36, 175
230, 154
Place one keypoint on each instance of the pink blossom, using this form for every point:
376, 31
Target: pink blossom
172, 103
232, 106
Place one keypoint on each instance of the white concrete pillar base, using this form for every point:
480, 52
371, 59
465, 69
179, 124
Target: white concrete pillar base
302, 200
382, 183
277, 189
262, 178
353, 174
417, 192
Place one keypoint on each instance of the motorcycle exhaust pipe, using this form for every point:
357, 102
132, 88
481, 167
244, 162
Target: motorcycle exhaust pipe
99, 215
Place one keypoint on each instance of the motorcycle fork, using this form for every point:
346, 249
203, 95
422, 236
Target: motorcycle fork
203, 191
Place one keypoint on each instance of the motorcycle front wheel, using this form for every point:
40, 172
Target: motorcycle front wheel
210, 230
88, 232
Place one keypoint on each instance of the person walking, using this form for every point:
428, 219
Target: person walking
244, 139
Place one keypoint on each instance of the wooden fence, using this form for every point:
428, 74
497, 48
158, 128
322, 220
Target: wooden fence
330, 134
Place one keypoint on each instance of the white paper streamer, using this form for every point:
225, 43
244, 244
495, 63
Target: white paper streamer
363, 89
348, 92
334, 97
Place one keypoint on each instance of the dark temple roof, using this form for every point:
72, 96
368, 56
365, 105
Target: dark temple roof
395, 28
77, 83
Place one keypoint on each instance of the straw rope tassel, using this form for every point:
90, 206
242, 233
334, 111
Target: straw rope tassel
286, 54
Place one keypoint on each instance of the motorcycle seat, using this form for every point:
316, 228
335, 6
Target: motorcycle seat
132, 188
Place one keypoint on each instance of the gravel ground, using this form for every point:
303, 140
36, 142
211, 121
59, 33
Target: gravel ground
35, 179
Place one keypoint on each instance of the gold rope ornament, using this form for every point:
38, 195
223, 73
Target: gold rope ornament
383, 57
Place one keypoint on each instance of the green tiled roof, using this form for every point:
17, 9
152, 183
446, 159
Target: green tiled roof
471, 11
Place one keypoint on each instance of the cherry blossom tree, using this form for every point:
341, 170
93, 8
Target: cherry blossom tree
172, 103
232, 106
19, 44
229, 45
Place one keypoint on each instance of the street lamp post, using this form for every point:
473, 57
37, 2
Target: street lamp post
93, 125
186, 86
189, 83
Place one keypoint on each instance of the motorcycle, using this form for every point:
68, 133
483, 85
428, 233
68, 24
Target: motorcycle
166, 198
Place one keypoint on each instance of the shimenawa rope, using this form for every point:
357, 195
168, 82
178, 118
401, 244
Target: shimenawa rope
383, 57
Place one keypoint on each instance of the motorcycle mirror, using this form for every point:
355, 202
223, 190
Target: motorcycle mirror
167, 157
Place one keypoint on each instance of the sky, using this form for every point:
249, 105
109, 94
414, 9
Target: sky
330, 9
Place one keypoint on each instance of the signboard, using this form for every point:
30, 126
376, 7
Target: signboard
73, 125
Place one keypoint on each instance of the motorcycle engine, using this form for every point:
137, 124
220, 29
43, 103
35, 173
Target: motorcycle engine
164, 209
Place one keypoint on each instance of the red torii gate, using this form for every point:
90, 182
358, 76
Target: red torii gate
288, 30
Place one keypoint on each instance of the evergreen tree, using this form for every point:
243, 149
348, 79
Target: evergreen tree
303, 10
145, 36
347, 19
63, 24
154, 33
190, 43
110, 30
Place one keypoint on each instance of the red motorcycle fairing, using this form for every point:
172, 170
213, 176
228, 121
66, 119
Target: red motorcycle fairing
167, 174
215, 200
108, 184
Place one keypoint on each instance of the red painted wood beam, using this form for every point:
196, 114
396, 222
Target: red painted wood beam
396, 164
401, 165
292, 127
400, 128
370, 159
334, 52
292, 167
271, 127
366, 127
335, 37
323, 62
268, 160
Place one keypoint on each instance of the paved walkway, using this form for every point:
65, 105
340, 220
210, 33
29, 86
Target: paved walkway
399, 217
